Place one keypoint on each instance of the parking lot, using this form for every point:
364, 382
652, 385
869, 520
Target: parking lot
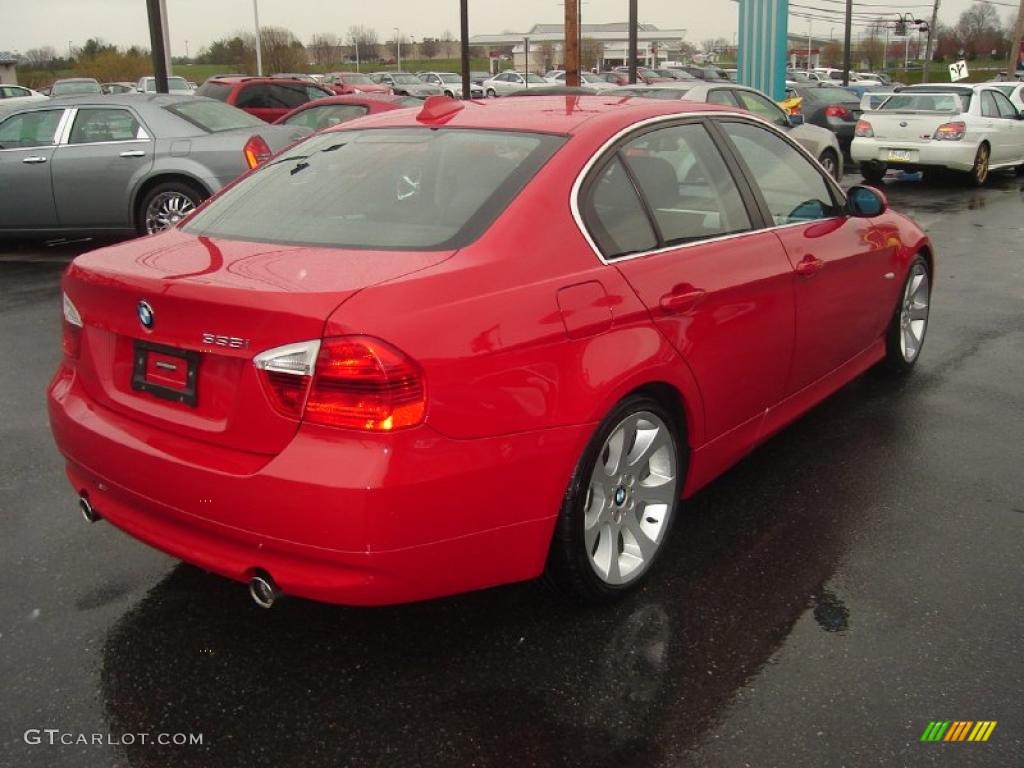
852, 580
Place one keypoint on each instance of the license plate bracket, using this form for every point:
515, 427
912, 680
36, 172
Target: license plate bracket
165, 372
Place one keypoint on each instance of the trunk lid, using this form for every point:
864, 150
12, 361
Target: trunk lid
220, 303
906, 126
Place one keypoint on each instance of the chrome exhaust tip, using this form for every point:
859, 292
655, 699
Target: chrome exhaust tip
264, 591
89, 512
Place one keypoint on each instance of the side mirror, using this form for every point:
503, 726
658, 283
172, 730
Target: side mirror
865, 202
795, 120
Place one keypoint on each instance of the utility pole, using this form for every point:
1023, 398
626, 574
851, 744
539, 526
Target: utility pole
156, 40
464, 47
631, 62
572, 43
259, 38
1015, 42
847, 52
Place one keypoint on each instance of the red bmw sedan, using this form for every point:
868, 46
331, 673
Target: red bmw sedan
443, 349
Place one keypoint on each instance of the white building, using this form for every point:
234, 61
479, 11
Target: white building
8, 68
547, 41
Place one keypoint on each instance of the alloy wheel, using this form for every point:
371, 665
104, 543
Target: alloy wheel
167, 209
980, 171
914, 312
632, 492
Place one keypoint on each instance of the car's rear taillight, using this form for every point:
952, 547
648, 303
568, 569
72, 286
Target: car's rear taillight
71, 329
256, 151
354, 382
836, 110
950, 131
864, 129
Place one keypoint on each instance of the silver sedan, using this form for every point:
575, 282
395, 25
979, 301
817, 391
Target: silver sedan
818, 141
121, 164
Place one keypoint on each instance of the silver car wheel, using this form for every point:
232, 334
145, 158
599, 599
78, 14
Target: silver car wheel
632, 492
914, 312
167, 209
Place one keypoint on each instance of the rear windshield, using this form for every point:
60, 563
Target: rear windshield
923, 102
75, 87
395, 188
212, 116
218, 91
833, 95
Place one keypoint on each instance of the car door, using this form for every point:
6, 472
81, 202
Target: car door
668, 212
108, 152
27, 143
846, 268
996, 129
1012, 126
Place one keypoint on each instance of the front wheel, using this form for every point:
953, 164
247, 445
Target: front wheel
620, 503
909, 323
165, 205
490, 93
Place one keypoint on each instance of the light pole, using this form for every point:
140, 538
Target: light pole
398, 50
259, 42
71, 54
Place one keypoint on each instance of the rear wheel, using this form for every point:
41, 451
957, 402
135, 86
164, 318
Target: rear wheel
165, 205
830, 162
905, 337
978, 175
873, 172
620, 503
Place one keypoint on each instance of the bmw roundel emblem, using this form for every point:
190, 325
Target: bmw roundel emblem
145, 314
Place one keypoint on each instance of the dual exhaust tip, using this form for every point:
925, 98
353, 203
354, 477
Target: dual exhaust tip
262, 589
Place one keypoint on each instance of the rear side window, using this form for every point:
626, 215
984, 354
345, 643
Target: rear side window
614, 214
407, 188
97, 125
793, 188
257, 96
218, 91
212, 116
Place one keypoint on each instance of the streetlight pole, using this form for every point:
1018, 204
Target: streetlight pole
1015, 42
464, 47
259, 40
398, 50
847, 53
631, 63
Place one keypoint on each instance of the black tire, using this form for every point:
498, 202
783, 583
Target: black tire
491, 94
978, 175
830, 162
193, 193
896, 360
873, 173
569, 568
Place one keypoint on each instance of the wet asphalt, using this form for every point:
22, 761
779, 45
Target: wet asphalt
855, 578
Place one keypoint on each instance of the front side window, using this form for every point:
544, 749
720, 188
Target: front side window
686, 184
31, 129
792, 187
1005, 107
99, 125
398, 189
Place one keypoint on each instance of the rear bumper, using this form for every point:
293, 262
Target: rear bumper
941, 154
336, 516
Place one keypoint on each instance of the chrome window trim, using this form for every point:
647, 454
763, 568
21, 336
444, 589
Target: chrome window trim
601, 153
56, 134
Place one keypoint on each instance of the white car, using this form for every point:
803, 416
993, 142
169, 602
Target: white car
1014, 92
974, 129
510, 82
174, 85
587, 80
820, 142
451, 84
19, 94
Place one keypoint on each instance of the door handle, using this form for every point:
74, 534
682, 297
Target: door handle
682, 300
34, 159
133, 153
809, 265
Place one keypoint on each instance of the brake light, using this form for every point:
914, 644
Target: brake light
836, 110
950, 131
864, 129
256, 151
71, 329
354, 382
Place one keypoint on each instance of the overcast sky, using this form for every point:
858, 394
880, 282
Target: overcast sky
55, 22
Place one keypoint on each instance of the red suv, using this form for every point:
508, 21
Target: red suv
267, 98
